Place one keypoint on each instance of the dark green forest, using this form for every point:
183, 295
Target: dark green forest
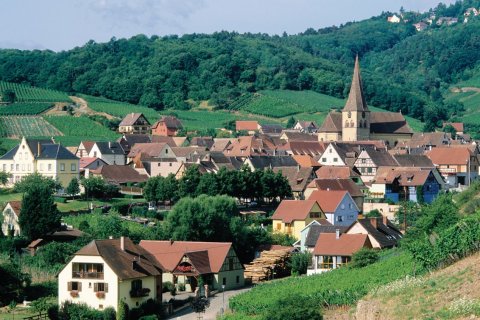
402, 69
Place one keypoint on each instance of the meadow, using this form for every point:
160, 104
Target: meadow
26, 93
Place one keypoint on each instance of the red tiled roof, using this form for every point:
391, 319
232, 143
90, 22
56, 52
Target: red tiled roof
291, 210
86, 161
246, 125
345, 245
150, 149
120, 174
446, 155
328, 200
169, 253
16, 207
334, 172
130, 119
458, 126
306, 161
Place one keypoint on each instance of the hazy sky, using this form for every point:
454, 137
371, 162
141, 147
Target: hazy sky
64, 24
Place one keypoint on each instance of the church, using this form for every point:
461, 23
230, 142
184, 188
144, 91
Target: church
357, 123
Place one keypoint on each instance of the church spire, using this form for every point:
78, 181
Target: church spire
356, 99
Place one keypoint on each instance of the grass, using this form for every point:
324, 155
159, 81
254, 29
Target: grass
8, 144
343, 286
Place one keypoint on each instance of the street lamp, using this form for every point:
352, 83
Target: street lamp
223, 298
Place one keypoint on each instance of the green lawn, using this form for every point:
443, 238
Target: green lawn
5, 197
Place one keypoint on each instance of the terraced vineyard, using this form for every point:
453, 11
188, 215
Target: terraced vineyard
25, 108
28, 126
25, 93
119, 109
81, 128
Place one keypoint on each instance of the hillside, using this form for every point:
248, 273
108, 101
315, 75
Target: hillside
403, 69
450, 293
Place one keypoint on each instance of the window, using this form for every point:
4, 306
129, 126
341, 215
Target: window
94, 154
342, 206
166, 151
330, 150
350, 217
369, 170
62, 166
136, 285
170, 164
224, 281
230, 263
5, 167
339, 218
49, 167
73, 167
324, 159
74, 286
364, 160
17, 167
11, 167
350, 206
363, 114
279, 226
87, 270
335, 159
41, 166
100, 287
314, 214
23, 166
349, 114
238, 279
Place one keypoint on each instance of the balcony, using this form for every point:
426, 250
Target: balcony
87, 275
139, 293
447, 170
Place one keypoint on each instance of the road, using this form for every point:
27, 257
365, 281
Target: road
216, 304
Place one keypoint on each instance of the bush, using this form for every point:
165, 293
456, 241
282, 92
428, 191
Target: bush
77, 311
300, 263
60, 199
181, 286
363, 258
297, 308
167, 286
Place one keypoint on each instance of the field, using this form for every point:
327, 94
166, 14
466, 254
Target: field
119, 109
76, 129
26, 93
339, 287
19, 126
25, 108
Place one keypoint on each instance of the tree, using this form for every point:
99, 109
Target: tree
450, 129
373, 214
300, 262
291, 122
39, 214
187, 185
363, 258
33, 179
95, 187
73, 187
4, 177
12, 283
9, 96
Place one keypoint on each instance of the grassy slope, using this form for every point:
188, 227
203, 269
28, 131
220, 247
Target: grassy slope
449, 293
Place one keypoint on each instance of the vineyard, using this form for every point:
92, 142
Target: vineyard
25, 93
119, 109
81, 128
28, 126
340, 287
25, 108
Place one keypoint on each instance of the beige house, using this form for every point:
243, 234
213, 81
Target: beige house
10, 225
42, 156
134, 123
106, 272
185, 261
292, 216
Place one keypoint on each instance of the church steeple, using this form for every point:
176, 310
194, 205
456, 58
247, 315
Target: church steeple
356, 99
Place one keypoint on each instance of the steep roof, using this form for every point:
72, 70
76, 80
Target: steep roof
55, 151
206, 142
128, 140
306, 161
85, 161
293, 135
291, 210
16, 207
88, 145
413, 160
131, 118
446, 155
406, 176
458, 126
298, 178
389, 122
133, 262
170, 122
241, 125
313, 148
266, 162
169, 253
271, 128
120, 174
332, 123
382, 230
149, 149
315, 231
381, 157
107, 147
306, 124
329, 200
346, 245
220, 144
356, 99
337, 184
334, 172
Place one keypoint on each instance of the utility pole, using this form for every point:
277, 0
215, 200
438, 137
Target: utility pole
405, 210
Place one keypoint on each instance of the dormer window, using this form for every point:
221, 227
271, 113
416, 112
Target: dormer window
349, 114
363, 114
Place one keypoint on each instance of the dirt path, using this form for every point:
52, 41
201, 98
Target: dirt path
84, 109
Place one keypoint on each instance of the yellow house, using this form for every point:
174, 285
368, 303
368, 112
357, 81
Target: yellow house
42, 156
292, 216
106, 272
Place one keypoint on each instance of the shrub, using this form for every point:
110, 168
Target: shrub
181, 286
363, 258
78, 311
300, 263
167, 286
297, 308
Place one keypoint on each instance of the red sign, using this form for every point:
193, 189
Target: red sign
184, 267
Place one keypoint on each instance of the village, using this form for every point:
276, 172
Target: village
349, 179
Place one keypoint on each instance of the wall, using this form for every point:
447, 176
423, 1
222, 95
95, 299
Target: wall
358, 229
347, 210
385, 209
329, 136
126, 285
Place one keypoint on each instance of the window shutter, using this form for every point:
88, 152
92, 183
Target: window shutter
95, 287
69, 286
79, 286
105, 287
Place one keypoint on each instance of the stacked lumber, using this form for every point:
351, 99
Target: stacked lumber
270, 264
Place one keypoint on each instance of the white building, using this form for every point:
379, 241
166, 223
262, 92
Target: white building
10, 214
106, 272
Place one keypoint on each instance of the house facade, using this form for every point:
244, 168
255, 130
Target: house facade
108, 151
339, 207
106, 272
457, 165
167, 126
134, 123
292, 216
11, 212
185, 261
42, 156
381, 232
370, 159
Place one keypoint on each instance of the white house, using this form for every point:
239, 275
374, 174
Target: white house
394, 19
339, 207
106, 272
110, 152
332, 156
10, 214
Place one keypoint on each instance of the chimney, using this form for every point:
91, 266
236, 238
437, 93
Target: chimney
337, 234
134, 262
373, 221
385, 220
122, 243
39, 149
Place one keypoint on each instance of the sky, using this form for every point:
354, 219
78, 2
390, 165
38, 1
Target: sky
64, 24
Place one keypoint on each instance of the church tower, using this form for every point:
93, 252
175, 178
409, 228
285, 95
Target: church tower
355, 114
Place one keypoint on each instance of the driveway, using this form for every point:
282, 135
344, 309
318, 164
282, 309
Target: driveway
216, 304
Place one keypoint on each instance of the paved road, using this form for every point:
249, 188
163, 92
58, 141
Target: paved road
216, 304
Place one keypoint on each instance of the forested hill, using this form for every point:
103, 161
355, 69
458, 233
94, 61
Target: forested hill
402, 68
